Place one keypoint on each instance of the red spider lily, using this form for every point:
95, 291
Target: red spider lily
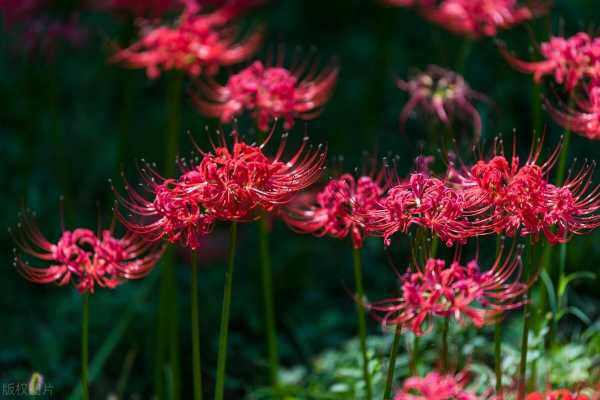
330, 211
568, 59
232, 182
270, 92
443, 93
436, 290
198, 43
435, 386
475, 17
583, 117
523, 201
560, 394
425, 201
164, 211
83, 257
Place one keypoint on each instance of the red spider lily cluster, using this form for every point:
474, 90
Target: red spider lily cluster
230, 183
198, 43
269, 92
443, 93
475, 17
454, 291
522, 200
574, 63
435, 386
332, 210
84, 258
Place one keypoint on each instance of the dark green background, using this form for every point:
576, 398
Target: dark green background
69, 123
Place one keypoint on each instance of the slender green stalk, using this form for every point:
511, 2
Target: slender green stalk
84, 347
362, 321
498, 339
526, 322
196, 364
222, 355
168, 326
498, 358
267, 294
445, 329
414, 357
387, 394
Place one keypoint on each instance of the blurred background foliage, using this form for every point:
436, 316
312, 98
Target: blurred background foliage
69, 121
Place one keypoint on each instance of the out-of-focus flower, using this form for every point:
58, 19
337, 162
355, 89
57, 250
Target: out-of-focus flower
523, 201
454, 291
83, 257
583, 116
234, 181
560, 394
569, 60
330, 211
435, 386
198, 43
428, 202
270, 92
475, 17
140, 8
443, 93
39, 29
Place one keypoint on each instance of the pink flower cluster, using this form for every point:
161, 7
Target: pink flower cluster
435, 386
229, 183
197, 43
330, 211
574, 62
560, 394
269, 92
475, 17
443, 93
85, 258
457, 291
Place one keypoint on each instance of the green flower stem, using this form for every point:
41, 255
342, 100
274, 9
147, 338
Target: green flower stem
498, 357
522, 382
445, 329
414, 357
362, 322
267, 294
387, 394
84, 347
222, 355
196, 363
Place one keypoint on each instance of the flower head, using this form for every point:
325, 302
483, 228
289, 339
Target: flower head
197, 43
583, 117
523, 201
569, 60
83, 257
233, 181
475, 17
332, 211
269, 92
443, 93
560, 394
435, 386
428, 202
437, 290
164, 210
